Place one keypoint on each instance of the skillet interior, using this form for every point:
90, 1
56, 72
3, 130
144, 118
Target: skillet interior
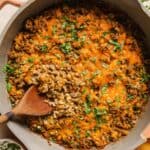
8, 35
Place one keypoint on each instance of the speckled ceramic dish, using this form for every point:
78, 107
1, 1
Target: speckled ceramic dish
145, 9
10, 144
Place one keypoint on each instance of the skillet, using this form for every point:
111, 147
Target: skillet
33, 7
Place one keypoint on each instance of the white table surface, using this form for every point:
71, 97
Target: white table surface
5, 14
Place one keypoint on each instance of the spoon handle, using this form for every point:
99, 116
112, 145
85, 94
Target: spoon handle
6, 117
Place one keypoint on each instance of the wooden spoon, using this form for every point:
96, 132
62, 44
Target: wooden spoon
31, 104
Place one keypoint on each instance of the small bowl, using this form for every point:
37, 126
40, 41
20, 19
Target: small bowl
145, 9
11, 142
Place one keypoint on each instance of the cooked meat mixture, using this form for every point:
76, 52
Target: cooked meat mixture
88, 66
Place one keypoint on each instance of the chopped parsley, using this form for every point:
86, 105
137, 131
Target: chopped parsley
93, 59
112, 30
8, 69
81, 27
130, 97
54, 29
98, 113
66, 18
82, 40
9, 87
104, 89
118, 62
65, 25
47, 37
52, 139
87, 133
30, 60
118, 99
84, 72
95, 74
105, 33
58, 56
87, 104
145, 77
77, 131
109, 101
74, 123
74, 34
117, 46
43, 48
84, 91
72, 30
67, 22
66, 48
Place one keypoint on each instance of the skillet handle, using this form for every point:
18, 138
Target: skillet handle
6, 117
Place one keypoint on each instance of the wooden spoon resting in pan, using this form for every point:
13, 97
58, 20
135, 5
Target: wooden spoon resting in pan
31, 104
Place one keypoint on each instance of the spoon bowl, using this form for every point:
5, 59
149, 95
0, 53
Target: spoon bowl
31, 105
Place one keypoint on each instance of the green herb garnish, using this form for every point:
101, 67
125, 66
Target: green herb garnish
58, 56
145, 77
74, 123
95, 74
82, 40
130, 97
112, 30
47, 37
66, 48
74, 34
93, 59
84, 91
66, 18
43, 48
104, 88
81, 27
30, 60
87, 133
52, 139
118, 62
84, 72
117, 46
65, 25
117, 99
98, 113
77, 131
109, 101
105, 33
9, 87
87, 104
68, 23
8, 69
54, 29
